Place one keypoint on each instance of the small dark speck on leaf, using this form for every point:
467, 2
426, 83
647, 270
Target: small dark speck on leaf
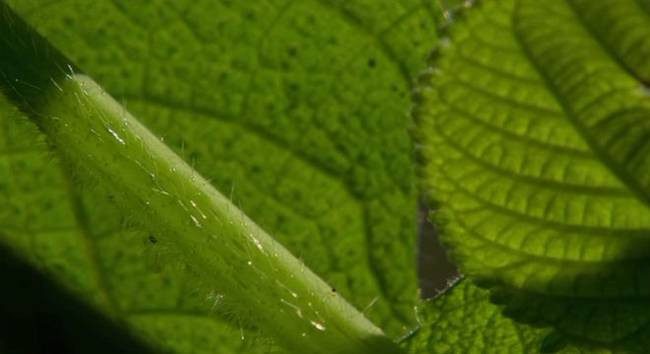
152, 239
372, 63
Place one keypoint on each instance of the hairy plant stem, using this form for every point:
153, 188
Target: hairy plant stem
257, 278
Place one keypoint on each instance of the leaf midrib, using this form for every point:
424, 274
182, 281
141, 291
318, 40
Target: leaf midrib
618, 171
602, 44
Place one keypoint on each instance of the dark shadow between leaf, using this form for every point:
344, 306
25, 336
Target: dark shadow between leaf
38, 316
435, 269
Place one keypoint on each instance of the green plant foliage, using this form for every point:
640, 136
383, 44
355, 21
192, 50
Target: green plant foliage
463, 320
534, 135
298, 108
534, 120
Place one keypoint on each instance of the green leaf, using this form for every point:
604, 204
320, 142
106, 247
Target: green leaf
298, 108
535, 127
463, 320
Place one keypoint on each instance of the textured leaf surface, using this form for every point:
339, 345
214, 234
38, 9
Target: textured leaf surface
536, 133
297, 107
463, 320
